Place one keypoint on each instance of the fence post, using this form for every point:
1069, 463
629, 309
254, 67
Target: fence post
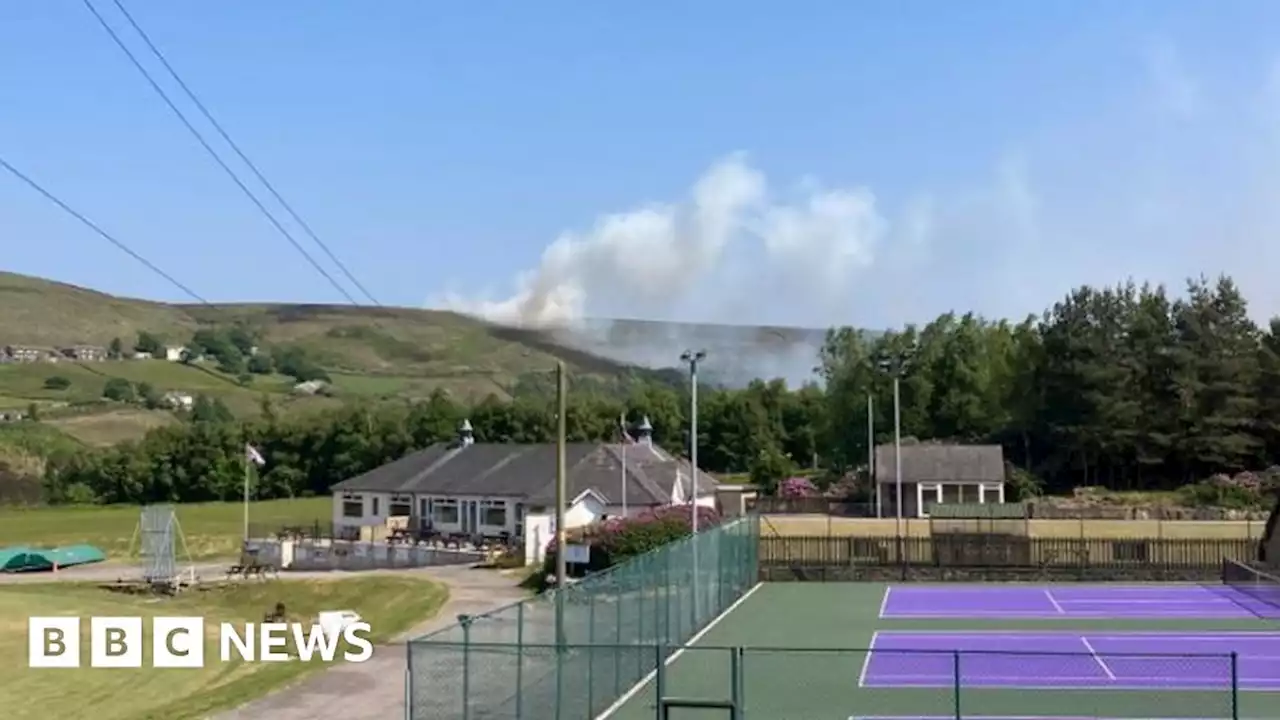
591, 655
955, 669
465, 621
1235, 686
659, 680
617, 638
519, 661
408, 680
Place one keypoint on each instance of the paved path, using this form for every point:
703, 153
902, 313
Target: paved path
374, 690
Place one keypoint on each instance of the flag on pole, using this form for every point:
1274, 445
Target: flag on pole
252, 455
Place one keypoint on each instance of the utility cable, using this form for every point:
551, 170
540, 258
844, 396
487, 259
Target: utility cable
102, 233
213, 153
204, 110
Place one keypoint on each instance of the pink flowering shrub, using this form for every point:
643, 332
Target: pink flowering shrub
1241, 491
618, 539
797, 487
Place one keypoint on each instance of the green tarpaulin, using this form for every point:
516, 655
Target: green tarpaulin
25, 559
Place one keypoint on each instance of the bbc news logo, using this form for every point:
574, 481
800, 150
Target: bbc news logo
179, 642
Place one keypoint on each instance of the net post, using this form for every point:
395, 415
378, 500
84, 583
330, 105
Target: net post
519, 660
1235, 686
735, 683
955, 671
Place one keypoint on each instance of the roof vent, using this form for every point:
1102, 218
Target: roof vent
466, 435
645, 432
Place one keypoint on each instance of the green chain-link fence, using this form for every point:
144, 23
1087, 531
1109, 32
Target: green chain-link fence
509, 663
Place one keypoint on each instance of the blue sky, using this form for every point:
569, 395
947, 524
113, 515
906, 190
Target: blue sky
802, 163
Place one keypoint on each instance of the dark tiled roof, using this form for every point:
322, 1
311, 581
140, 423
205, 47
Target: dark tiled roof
529, 471
929, 461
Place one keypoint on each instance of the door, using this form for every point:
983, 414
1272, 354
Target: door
469, 508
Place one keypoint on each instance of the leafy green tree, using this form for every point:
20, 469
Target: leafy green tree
119, 389
149, 343
115, 350
57, 382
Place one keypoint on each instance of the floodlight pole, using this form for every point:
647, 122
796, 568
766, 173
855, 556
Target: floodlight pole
561, 549
693, 358
871, 451
897, 450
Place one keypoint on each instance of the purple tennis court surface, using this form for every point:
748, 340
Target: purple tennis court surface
1116, 660
1025, 601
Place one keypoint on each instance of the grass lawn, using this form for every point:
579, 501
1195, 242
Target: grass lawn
391, 605
111, 427
211, 529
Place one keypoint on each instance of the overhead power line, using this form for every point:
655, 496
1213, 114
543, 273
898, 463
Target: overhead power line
204, 110
214, 154
102, 233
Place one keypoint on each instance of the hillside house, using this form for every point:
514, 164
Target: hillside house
507, 490
178, 400
936, 473
173, 353
23, 353
84, 353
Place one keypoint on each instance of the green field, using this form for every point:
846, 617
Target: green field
391, 606
211, 530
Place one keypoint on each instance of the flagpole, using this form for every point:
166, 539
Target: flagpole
622, 426
247, 470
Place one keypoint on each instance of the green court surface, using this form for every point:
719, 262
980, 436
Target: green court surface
803, 657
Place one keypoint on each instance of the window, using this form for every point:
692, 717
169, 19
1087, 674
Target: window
424, 507
493, 513
445, 512
970, 493
375, 507
401, 508
352, 508
992, 493
950, 494
928, 496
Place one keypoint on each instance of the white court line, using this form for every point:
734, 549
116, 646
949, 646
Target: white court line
609, 711
884, 601
1099, 660
866, 661
1117, 634
1056, 606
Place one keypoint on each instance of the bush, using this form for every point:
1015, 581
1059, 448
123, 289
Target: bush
1244, 491
617, 539
57, 382
797, 487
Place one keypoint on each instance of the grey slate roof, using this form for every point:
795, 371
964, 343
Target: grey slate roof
928, 462
529, 472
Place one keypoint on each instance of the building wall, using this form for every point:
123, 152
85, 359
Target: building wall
469, 514
540, 526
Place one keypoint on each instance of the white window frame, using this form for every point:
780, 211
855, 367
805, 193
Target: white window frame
488, 505
985, 489
446, 505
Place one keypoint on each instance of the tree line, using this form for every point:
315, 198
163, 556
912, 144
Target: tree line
1127, 387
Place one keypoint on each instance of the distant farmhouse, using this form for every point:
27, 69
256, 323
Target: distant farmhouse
23, 353
507, 490
85, 353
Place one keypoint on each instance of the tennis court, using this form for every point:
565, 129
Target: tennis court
854, 650
1088, 601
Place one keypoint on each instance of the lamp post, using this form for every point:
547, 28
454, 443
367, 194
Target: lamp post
693, 358
895, 364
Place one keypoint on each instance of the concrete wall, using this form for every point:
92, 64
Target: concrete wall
815, 525
350, 556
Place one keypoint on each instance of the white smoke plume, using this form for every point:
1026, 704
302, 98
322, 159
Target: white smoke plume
1181, 180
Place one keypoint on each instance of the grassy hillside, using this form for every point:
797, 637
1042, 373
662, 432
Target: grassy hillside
375, 353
